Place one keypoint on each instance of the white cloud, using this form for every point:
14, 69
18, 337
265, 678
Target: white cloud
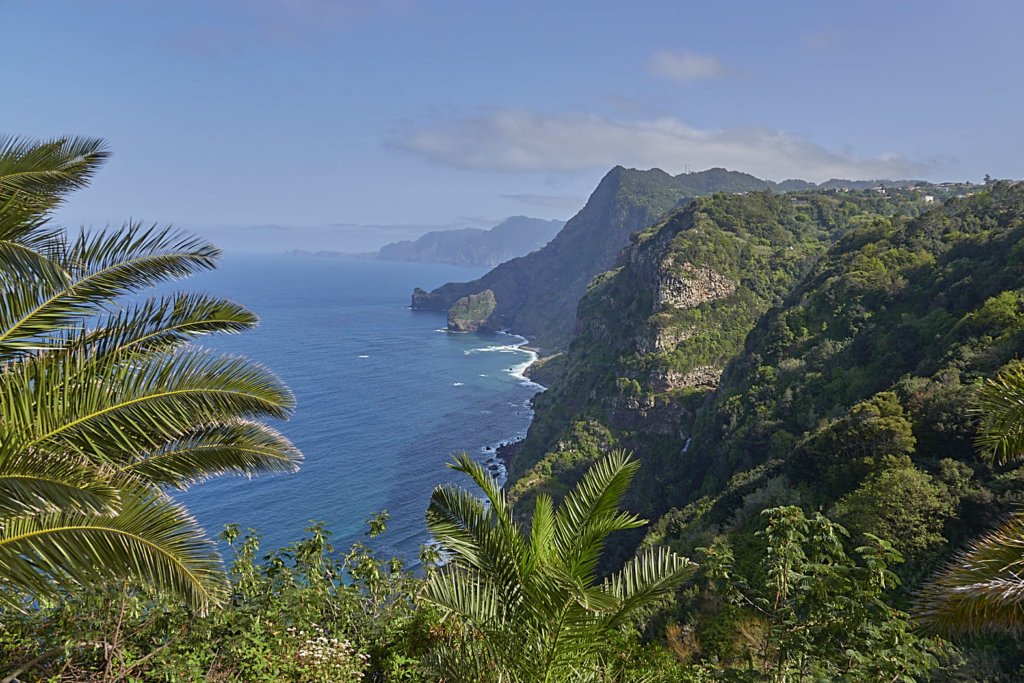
687, 67
519, 140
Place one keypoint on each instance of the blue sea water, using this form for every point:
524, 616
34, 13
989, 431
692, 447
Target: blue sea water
384, 396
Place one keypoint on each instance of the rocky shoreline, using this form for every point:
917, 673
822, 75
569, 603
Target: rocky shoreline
499, 459
506, 451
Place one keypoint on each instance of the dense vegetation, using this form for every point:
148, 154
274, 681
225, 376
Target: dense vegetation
640, 367
505, 607
473, 312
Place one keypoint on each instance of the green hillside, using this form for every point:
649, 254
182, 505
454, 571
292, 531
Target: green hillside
655, 334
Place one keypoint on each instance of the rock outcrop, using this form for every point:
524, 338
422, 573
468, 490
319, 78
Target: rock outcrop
691, 286
703, 376
473, 312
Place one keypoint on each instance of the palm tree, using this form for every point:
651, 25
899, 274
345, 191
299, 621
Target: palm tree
104, 403
983, 588
530, 606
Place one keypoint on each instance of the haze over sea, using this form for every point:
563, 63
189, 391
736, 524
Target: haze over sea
384, 396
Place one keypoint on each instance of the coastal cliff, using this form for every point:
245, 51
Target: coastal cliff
538, 294
654, 335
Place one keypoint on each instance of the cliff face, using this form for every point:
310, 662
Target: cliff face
537, 294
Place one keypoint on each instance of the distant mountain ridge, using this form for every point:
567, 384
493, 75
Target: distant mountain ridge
512, 237
537, 294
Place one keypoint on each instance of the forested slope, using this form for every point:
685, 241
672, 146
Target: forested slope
869, 366
654, 334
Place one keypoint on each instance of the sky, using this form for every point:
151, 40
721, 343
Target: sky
347, 124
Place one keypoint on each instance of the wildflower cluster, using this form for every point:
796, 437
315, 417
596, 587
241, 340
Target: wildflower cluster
315, 657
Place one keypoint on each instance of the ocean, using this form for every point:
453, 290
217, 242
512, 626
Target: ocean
384, 396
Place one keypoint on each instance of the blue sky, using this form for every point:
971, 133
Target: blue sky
351, 123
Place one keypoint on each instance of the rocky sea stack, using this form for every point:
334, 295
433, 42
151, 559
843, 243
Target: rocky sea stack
473, 312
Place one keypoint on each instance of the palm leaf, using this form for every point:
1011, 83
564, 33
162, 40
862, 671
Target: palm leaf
132, 405
162, 323
982, 589
468, 531
1001, 404
101, 405
35, 176
46, 170
102, 267
531, 607
151, 539
646, 579
494, 494
590, 512
542, 535
238, 447
31, 485
467, 595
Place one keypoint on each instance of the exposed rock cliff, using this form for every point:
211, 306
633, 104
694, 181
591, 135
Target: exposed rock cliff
689, 286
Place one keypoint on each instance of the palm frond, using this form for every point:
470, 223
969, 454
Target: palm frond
460, 523
128, 405
467, 595
542, 535
31, 485
164, 322
494, 494
1001, 405
50, 168
467, 529
24, 273
591, 511
530, 605
239, 447
982, 589
102, 267
101, 405
646, 579
35, 176
151, 539
27, 264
